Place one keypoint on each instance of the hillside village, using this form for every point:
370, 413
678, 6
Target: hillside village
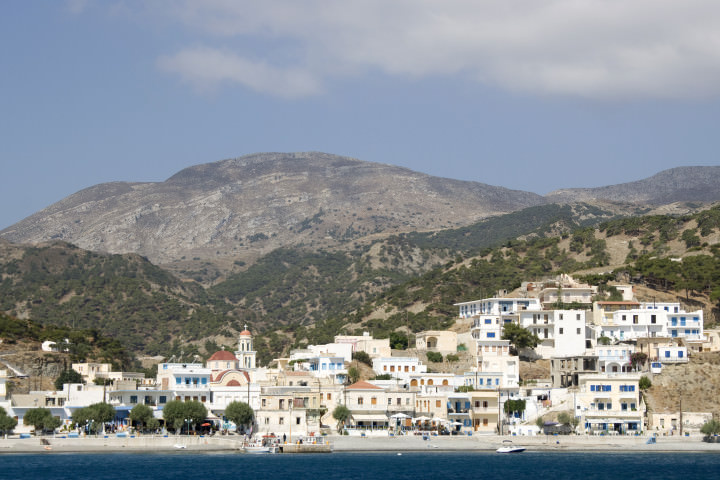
604, 352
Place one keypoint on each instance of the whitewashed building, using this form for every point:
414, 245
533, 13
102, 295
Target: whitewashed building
399, 367
610, 403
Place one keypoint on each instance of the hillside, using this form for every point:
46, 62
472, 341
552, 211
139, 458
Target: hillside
213, 216
123, 296
682, 184
398, 283
695, 384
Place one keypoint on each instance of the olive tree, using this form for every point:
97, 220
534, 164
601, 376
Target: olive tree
240, 413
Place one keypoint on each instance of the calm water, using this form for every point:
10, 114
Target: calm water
409, 465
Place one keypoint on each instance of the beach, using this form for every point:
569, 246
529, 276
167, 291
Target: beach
150, 444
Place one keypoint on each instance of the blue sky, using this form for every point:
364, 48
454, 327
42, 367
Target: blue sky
533, 95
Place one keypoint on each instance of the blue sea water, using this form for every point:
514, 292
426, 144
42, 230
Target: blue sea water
409, 465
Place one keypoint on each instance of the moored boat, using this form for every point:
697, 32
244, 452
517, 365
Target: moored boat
509, 447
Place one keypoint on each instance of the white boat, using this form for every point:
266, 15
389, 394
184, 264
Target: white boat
179, 446
259, 449
508, 447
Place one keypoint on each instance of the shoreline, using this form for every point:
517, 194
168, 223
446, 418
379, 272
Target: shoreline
349, 444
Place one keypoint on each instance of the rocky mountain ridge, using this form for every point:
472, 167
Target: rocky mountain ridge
245, 207
224, 215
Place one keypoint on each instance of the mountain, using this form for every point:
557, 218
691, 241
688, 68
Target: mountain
682, 184
239, 209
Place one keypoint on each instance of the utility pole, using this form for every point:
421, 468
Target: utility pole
681, 422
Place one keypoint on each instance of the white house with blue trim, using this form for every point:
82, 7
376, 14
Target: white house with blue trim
628, 321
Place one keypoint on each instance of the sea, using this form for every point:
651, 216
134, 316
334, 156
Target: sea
356, 465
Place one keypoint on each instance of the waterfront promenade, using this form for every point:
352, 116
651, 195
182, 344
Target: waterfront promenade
359, 444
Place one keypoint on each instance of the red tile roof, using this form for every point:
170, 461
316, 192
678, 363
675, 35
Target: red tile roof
222, 355
363, 386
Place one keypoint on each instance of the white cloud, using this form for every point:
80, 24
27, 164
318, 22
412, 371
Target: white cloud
592, 48
206, 68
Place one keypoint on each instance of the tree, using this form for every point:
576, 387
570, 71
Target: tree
712, 427
95, 416
398, 341
519, 337
7, 423
363, 357
435, 357
41, 419
240, 413
67, 376
353, 374
644, 383
512, 406
341, 414
565, 418
638, 359
177, 414
141, 414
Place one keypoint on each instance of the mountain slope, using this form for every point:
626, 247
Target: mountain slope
245, 207
682, 184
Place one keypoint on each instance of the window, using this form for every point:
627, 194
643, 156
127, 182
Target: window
373, 401
133, 398
561, 316
162, 399
561, 331
491, 334
282, 404
360, 401
398, 401
653, 319
577, 317
297, 420
281, 420
577, 331
267, 420
438, 403
389, 401
263, 402
635, 319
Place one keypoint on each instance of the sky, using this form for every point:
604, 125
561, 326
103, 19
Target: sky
533, 95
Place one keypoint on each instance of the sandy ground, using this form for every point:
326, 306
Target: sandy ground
358, 444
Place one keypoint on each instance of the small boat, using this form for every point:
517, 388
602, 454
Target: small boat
260, 449
508, 447
179, 446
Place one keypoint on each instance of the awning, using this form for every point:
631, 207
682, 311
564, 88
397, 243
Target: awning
610, 420
369, 418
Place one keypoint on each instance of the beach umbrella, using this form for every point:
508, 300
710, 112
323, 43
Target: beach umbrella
399, 415
421, 419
